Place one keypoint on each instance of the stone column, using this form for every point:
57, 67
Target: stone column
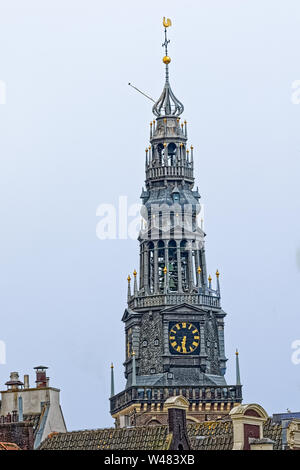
179, 265
190, 267
155, 268
198, 264
141, 267
167, 265
203, 266
146, 270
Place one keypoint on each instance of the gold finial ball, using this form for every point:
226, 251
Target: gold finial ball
217, 273
166, 59
209, 278
129, 278
199, 270
165, 270
134, 273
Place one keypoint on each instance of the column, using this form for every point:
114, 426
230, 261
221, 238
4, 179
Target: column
146, 269
141, 267
197, 265
179, 265
167, 263
190, 265
155, 268
203, 266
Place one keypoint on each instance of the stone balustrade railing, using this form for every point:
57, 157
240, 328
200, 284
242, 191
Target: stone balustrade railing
173, 299
194, 394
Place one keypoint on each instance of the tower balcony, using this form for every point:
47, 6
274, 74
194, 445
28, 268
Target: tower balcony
145, 396
174, 172
173, 298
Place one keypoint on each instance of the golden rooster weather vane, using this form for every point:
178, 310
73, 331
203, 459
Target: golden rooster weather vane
166, 22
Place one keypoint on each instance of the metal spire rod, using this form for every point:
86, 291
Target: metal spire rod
149, 97
167, 23
165, 44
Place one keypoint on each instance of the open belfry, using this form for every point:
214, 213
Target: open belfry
174, 323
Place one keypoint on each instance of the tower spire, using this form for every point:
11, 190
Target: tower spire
112, 380
167, 104
237, 367
166, 59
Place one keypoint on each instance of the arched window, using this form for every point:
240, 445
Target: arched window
171, 154
160, 149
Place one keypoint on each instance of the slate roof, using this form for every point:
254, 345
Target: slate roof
209, 435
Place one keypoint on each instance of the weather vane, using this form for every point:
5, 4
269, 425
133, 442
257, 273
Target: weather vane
166, 22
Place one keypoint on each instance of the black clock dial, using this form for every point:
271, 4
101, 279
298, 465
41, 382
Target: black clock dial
184, 338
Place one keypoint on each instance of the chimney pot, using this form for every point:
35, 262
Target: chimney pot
26, 381
41, 379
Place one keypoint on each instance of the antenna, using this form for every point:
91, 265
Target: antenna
149, 97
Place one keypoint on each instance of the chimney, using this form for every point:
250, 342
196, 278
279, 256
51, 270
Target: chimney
177, 408
15, 417
41, 379
14, 383
26, 381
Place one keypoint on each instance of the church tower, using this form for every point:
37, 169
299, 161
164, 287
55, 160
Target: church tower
174, 323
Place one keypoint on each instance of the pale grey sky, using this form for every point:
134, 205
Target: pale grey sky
72, 136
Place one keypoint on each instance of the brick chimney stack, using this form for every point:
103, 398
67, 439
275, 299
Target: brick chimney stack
177, 408
42, 381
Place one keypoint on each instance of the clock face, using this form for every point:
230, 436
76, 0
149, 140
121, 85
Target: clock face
184, 338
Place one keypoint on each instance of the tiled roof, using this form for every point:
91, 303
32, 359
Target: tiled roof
273, 431
34, 419
139, 438
9, 446
209, 435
